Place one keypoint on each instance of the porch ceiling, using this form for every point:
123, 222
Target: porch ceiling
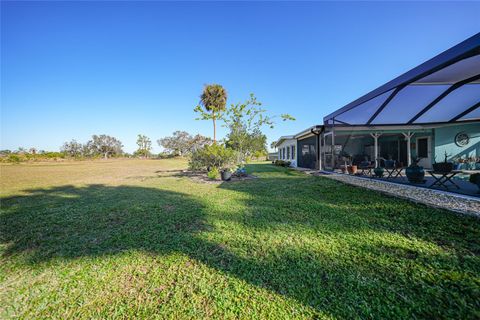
445, 89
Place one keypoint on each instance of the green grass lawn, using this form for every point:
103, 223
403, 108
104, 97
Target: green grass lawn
121, 239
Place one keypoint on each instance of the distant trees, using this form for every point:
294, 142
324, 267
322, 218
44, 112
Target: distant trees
100, 145
273, 145
144, 146
198, 142
213, 100
181, 143
72, 148
105, 145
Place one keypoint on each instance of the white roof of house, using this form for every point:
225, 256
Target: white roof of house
283, 138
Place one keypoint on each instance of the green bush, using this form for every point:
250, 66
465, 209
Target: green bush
212, 156
282, 163
213, 174
13, 158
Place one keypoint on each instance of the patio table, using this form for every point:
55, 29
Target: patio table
394, 172
442, 178
366, 170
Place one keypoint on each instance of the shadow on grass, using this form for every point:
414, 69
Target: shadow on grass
69, 222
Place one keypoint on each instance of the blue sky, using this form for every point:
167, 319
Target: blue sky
73, 69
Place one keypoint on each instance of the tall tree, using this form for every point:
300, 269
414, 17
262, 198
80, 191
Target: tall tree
182, 143
178, 144
144, 145
213, 100
104, 145
246, 121
199, 142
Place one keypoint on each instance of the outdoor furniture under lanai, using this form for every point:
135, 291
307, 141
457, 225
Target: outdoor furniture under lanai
393, 169
366, 171
366, 168
442, 178
394, 172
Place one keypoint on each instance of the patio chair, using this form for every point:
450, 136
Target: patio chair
393, 169
366, 167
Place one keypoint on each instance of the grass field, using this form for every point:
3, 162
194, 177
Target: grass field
127, 238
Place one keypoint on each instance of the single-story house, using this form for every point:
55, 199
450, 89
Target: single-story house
287, 149
429, 112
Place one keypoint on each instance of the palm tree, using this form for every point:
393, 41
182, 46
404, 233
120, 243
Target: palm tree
214, 100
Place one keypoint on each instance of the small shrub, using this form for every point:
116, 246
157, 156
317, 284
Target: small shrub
212, 156
213, 174
282, 163
14, 158
166, 155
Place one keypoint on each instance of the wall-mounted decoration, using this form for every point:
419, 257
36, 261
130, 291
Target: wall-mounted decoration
462, 139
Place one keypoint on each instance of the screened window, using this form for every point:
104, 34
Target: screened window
306, 156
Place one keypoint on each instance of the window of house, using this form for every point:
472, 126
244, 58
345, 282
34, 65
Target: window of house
293, 152
288, 153
422, 148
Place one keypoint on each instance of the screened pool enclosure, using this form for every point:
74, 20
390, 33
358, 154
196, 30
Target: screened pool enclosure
430, 112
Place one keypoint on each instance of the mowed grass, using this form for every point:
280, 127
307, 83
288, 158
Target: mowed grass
128, 239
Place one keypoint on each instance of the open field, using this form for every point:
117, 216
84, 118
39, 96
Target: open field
123, 239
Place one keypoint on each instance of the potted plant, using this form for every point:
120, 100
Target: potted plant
352, 169
241, 172
378, 171
444, 166
226, 174
414, 172
475, 179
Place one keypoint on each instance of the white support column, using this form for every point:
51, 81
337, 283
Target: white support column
375, 137
408, 135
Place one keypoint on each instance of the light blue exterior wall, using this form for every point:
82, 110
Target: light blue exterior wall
444, 140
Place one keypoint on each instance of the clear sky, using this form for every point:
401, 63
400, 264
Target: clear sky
73, 69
